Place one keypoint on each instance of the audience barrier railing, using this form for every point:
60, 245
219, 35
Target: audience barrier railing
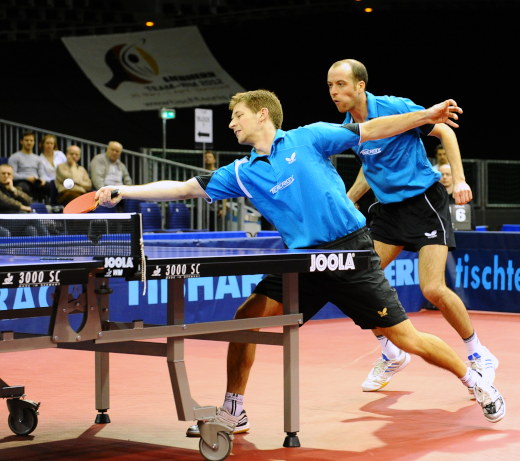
494, 183
144, 167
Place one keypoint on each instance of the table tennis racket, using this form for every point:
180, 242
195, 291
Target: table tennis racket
85, 203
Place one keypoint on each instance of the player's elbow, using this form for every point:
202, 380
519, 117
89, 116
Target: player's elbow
182, 194
366, 133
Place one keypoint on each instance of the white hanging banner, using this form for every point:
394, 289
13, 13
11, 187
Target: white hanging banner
153, 69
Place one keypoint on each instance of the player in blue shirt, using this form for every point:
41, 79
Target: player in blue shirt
291, 181
411, 211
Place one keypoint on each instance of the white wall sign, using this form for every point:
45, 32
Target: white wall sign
204, 125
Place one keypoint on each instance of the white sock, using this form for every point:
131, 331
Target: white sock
473, 344
470, 378
234, 403
389, 349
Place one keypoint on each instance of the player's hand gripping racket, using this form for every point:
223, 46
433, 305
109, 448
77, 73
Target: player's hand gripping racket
85, 203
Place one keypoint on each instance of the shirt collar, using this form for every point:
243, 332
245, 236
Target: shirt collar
280, 134
372, 108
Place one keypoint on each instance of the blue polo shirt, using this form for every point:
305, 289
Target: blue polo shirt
396, 168
295, 187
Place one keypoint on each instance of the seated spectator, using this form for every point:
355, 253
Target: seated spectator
71, 169
12, 199
441, 158
462, 216
28, 169
51, 157
107, 169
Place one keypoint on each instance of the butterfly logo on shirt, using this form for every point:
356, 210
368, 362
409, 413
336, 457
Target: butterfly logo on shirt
291, 159
384, 312
431, 235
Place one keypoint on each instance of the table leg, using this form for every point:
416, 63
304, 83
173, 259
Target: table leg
102, 362
291, 363
102, 292
175, 353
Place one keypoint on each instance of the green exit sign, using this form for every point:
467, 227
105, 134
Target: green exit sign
167, 114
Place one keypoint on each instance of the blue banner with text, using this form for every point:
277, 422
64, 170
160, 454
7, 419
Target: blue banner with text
484, 271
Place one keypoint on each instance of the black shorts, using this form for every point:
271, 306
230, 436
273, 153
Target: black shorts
414, 222
365, 296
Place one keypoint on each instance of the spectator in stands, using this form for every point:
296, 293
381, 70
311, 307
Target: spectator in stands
28, 169
210, 161
107, 169
441, 157
447, 179
12, 199
217, 209
51, 157
465, 213
71, 169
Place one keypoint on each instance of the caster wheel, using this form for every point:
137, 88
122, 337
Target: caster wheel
27, 424
220, 452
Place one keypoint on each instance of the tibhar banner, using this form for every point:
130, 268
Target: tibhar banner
153, 69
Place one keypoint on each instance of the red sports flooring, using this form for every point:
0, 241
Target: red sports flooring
423, 415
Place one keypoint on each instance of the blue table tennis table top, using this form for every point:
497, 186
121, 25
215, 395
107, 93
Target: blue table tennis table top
175, 262
169, 253
160, 246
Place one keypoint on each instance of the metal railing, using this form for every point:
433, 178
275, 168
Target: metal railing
494, 183
144, 167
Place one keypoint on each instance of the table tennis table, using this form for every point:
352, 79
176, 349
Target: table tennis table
99, 334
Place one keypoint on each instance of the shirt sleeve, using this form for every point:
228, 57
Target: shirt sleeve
127, 179
14, 201
334, 138
13, 161
222, 183
97, 172
86, 182
41, 170
426, 129
354, 127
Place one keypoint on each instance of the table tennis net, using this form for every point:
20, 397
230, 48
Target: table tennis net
114, 234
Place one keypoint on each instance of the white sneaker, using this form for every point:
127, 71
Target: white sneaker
485, 364
491, 401
383, 371
240, 423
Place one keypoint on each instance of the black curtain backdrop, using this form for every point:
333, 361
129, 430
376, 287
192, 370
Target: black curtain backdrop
425, 57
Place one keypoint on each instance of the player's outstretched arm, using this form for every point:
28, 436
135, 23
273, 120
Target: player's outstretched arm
159, 191
461, 190
391, 125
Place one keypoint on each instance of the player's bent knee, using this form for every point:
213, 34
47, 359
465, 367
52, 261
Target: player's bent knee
433, 292
405, 336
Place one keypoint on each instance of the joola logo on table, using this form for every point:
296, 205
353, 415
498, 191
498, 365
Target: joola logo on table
332, 262
119, 262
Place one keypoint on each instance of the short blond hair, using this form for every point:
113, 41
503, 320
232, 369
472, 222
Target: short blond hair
257, 100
